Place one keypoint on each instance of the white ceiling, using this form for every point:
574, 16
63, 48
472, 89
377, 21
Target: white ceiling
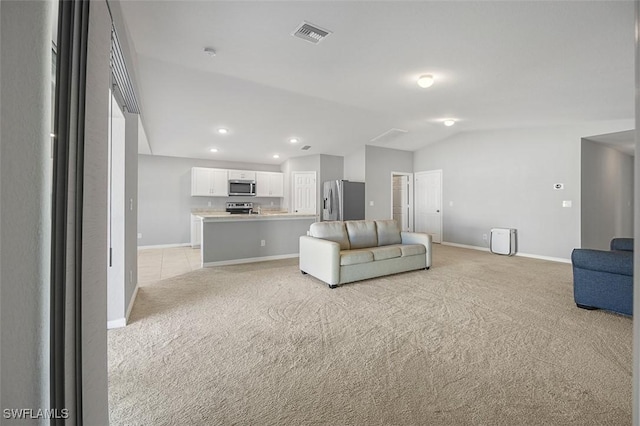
497, 65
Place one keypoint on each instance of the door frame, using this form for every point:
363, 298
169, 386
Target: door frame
410, 181
441, 196
293, 189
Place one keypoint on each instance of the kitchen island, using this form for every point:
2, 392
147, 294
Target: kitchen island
228, 239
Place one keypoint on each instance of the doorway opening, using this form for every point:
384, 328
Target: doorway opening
402, 199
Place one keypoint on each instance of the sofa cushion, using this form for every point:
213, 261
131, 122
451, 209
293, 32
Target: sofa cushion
332, 231
412, 249
362, 233
388, 232
385, 252
354, 257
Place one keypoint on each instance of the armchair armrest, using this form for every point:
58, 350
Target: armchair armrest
320, 258
614, 262
418, 238
625, 244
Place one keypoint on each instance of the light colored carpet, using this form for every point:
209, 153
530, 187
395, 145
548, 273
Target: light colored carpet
479, 339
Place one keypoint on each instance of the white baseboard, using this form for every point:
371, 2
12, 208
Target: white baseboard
133, 299
250, 260
122, 322
119, 323
444, 243
159, 246
532, 256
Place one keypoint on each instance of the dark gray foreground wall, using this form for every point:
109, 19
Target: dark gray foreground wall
607, 195
165, 201
505, 178
25, 204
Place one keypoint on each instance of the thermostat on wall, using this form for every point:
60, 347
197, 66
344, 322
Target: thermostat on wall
558, 186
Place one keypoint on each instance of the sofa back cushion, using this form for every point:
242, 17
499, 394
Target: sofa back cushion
388, 232
362, 233
331, 231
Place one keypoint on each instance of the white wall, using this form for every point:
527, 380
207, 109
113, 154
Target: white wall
25, 203
606, 195
636, 257
504, 178
165, 201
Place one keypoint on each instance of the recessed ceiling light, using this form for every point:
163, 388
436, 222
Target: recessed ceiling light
213, 150
294, 140
276, 156
425, 81
209, 51
449, 122
223, 131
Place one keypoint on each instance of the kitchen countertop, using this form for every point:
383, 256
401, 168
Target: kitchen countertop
226, 217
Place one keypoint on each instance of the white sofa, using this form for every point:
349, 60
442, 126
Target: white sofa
343, 252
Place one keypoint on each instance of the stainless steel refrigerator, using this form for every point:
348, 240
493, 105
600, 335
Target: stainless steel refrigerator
343, 200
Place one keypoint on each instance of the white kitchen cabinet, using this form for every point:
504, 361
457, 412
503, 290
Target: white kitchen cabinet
196, 231
269, 184
242, 175
208, 182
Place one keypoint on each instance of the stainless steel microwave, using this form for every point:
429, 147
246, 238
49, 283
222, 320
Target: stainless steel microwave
242, 187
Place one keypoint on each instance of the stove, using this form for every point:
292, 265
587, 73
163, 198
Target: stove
239, 208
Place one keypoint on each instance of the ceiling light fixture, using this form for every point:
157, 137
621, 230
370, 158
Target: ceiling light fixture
213, 150
294, 140
209, 51
425, 81
449, 122
276, 156
223, 131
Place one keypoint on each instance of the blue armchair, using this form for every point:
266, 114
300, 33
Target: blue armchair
604, 279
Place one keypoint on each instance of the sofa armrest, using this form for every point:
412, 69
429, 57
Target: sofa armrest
320, 258
622, 244
418, 238
613, 262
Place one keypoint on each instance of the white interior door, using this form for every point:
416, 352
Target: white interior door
304, 192
428, 215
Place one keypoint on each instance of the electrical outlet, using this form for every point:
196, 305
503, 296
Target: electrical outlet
139, 235
209, 204
484, 237
263, 243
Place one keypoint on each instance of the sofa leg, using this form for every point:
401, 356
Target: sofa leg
427, 268
333, 285
303, 272
588, 308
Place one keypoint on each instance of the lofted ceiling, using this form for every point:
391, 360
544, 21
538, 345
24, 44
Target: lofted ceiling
496, 65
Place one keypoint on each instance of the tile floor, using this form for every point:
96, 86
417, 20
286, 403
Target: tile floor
157, 264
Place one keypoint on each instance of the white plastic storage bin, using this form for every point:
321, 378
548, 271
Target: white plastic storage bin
504, 241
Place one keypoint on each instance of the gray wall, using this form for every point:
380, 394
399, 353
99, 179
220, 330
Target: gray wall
380, 162
504, 178
354, 166
94, 245
25, 204
131, 206
606, 195
165, 201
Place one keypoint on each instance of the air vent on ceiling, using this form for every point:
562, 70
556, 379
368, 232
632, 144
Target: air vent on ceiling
389, 135
306, 147
311, 33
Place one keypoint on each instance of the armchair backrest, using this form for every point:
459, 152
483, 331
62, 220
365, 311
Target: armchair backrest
622, 244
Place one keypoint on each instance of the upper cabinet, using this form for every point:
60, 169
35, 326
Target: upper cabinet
208, 182
242, 175
269, 184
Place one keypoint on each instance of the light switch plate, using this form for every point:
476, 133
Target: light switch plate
566, 203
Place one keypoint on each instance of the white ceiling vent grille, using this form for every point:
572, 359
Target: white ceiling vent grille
311, 33
306, 147
389, 136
